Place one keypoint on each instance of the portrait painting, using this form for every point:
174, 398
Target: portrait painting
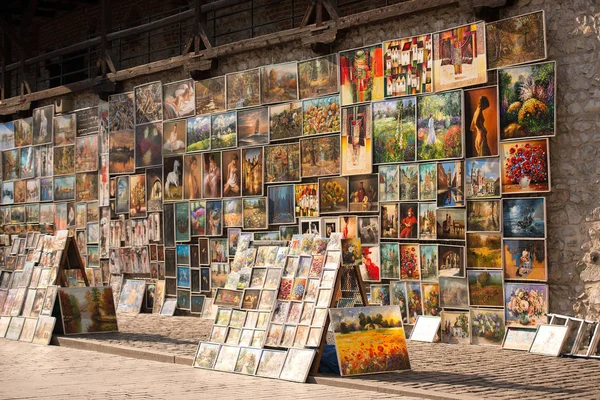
223, 130
65, 129
210, 95
179, 99
122, 151
192, 176
516, 40
253, 127
481, 122
282, 163
318, 76
86, 153
173, 137
320, 156
525, 259
281, 204
198, 134
394, 130
525, 166
439, 126
356, 140
172, 178
459, 57
285, 121
252, 171
370, 268
243, 89
232, 181
43, 127
321, 115
361, 75
279, 83
148, 101
408, 66
354, 335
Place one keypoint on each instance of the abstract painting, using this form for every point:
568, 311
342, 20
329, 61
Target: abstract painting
356, 140
408, 66
361, 75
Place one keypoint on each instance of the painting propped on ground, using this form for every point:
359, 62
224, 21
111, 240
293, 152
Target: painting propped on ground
87, 310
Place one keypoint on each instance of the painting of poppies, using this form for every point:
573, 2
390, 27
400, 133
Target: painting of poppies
361, 74
525, 166
527, 96
439, 126
369, 340
394, 130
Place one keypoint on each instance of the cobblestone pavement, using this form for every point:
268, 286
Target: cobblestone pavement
49, 372
479, 371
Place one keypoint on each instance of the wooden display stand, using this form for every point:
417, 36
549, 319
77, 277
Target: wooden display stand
337, 293
70, 260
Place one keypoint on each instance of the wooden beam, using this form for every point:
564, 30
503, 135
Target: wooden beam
307, 14
331, 10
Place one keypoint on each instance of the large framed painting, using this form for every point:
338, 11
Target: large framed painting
148, 101
179, 100
459, 57
534, 295
361, 75
408, 66
279, 83
356, 140
320, 156
394, 130
516, 40
527, 101
87, 310
318, 76
481, 122
359, 329
321, 115
285, 121
210, 95
525, 166
65, 129
439, 123
253, 127
243, 89
282, 163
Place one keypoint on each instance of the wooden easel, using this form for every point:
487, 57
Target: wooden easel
337, 293
71, 259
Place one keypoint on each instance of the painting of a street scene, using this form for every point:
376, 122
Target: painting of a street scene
87, 310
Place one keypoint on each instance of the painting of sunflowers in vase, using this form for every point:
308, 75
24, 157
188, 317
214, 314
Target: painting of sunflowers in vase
369, 340
333, 195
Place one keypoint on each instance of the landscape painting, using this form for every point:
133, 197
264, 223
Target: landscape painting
279, 83
210, 95
482, 178
369, 340
527, 96
281, 204
320, 156
439, 126
524, 217
122, 150
87, 310
459, 57
253, 127
516, 40
65, 129
485, 288
318, 76
223, 130
198, 134
484, 250
282, 163
285, 121
483, 216
394, 130
454, 293
243, 89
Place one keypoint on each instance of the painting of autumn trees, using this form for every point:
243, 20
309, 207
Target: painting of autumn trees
87, 310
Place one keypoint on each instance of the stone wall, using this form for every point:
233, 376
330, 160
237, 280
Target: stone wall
573, 37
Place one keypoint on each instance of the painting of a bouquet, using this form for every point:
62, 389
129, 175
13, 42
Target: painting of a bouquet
526, 304
487, 326
431, 299
409, 262
333, 194
525, 166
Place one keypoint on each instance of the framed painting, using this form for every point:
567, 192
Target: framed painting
211, 175
451, 260
439, 124
306, 199
297, 365
184, 299
408, 66
410, 262
518, 338
321, 115
281, 204
154, 189
192, 176
451, 224
121, 112
64, 188
252, 171
450, 184
27, 163
173, 137
425, 329
65, 129
549, 340
409, 223
487, 326
525, 259
524, 217
481, 122
525, 166
427, 224
43, 128
279, 83
198, 134
389, 183
88, 310
482, 178
356, 140
179, 100
427, 181
149, 145
228, 298
182, 221
270, 363
361, 75
527, 101
86, 152
23, 129
333, 195
370, 268
148, 101
353, 334
210, 95
87, 186
455, 327
254, 213
409, 182
485, 288
64, 160
513, 30
232, 212
243, 89
368, 229
389, 220
459, 57
214, 218
122, 196
7, 135
285, 121
11, 161
517, 295
122, 151
429, 262
394, 130
484, 250
223, 130
132, 294
232, 181
282, 163
320, 156
318, 76
253, 127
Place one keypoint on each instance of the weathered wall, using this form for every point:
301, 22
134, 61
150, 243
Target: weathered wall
573, 36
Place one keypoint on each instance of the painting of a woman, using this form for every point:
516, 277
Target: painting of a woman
212, 177
232, 186
479, 130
